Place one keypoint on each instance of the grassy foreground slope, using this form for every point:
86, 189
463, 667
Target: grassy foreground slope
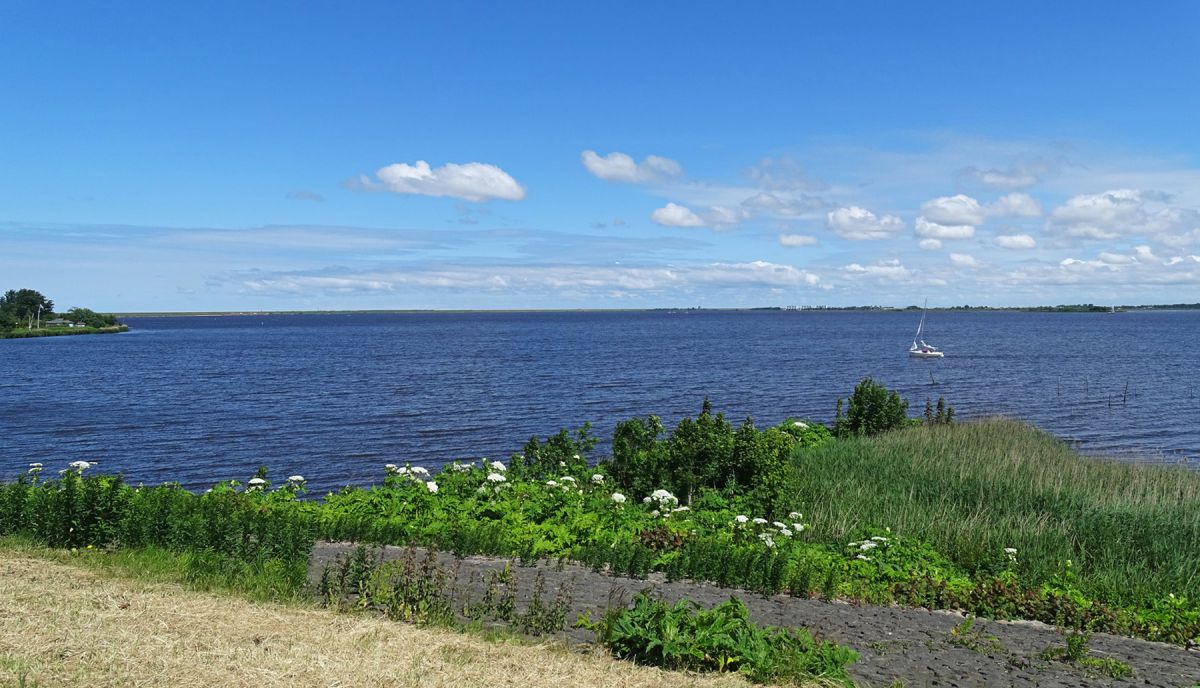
66, 625
970, 490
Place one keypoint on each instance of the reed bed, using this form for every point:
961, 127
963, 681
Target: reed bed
1124, 532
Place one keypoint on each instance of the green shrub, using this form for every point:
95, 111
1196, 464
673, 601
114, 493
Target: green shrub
688, 637
872, 409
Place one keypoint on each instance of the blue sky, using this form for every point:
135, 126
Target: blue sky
243, 156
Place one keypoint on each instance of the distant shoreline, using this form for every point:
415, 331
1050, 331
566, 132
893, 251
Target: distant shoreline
1082, 308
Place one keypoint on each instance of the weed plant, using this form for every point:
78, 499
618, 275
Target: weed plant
688, 637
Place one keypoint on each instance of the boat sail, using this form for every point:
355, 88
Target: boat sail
919, 348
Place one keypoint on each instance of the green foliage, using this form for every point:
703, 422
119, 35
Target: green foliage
872, 409
943, 416
1077, 652
806, 432
687, 637
561, 454
705, 453
25, 305
90, 318
982, 517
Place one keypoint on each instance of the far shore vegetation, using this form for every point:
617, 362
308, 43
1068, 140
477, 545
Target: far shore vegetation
1062, 308
990, 517
27, 313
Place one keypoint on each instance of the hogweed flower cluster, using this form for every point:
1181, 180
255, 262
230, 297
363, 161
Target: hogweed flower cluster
618, 498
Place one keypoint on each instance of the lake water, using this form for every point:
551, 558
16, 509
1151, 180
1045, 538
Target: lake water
334, 397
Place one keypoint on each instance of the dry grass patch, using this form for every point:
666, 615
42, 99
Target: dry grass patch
65, 626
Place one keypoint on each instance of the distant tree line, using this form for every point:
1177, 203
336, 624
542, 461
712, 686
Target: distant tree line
29, 308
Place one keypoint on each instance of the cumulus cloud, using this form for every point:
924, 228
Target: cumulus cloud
1100, 216
930, 244
964, 260
860, 224
953, 210
886, 270
1014, 205
1015, 241
1142, 266
674, 215
619, 167
1125, 212
472, 181
935, 230
797, 240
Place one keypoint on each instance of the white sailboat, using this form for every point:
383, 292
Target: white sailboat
919, 348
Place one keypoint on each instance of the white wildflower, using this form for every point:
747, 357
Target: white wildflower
760, 521
662, 498
618, 498
80, 466
419, 471
680, 508
879, 538
497, 466
800, 424
255, 484
576, 457
562, 464
863, 557
496, 478
1010, 550
432, 487
778, 524
654, 513
295, 479
868, 545
767, 539
567, 479
785, 532
597, 478
551, 483
741, 519
799, 527
795, 515
389, 467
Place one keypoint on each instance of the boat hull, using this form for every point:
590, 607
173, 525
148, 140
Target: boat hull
927, 354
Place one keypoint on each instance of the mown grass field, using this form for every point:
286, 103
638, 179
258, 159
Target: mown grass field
68, 622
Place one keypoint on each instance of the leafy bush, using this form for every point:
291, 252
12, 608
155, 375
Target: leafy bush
872, 409
687, 637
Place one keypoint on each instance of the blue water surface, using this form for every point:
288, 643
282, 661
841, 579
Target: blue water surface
334, 397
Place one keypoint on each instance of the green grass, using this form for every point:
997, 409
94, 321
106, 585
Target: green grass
1132, 532
23, 333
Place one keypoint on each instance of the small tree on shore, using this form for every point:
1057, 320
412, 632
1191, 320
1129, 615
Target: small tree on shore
872, 409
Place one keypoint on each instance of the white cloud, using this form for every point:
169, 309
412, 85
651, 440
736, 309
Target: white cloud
797, 240
1181, 240
472, 181
782, 173
934, 230
539, 278
860, 224
1015, 241
1101, 216
1014, 205
930, 244
953, 210
1012, 178
776, 205
619, 167
673, 215
964, 260
886, 270
722, 217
